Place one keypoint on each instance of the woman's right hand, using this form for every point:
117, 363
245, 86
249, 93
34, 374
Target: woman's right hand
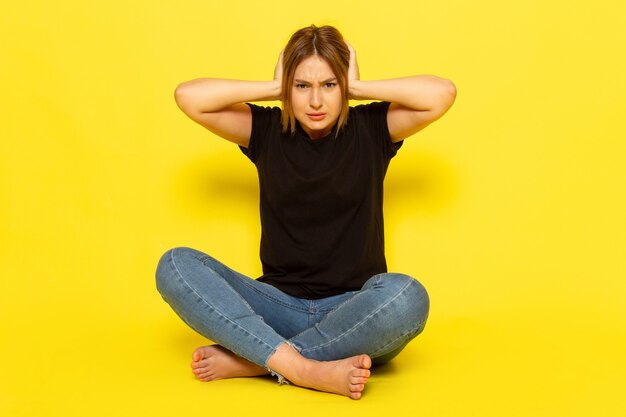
220, 104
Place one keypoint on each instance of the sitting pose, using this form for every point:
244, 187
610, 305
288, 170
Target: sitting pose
325, 309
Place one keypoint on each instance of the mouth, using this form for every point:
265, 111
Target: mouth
316, 116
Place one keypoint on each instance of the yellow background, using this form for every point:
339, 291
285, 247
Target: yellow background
510, 209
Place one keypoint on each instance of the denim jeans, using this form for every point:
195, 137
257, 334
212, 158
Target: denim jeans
252, 319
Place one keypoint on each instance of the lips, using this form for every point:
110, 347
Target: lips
316, 116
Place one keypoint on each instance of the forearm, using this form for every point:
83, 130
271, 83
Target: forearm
214, 94
420, 92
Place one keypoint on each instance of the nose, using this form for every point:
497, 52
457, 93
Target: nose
315, 99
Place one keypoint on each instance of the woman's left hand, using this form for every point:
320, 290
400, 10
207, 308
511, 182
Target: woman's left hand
353, 69
353, 72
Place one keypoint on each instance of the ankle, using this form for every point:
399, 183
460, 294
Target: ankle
304, 369
289, 363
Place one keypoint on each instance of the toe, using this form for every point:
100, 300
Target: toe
361, 362
208, 377
197, 355
366, 361
361, 373
355, 395
204, 363
357, 387
204, 376
200, 353
358, 380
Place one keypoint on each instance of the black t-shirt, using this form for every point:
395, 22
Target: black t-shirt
321, 201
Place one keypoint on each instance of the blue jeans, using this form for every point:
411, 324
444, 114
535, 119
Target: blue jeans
252, 319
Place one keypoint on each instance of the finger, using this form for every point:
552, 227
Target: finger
278, 71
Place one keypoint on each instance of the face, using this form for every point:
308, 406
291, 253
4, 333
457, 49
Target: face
315, 97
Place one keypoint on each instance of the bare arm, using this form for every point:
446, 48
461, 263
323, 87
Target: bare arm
416, 101
218, 104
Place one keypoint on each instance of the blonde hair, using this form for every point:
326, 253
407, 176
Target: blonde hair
327, 43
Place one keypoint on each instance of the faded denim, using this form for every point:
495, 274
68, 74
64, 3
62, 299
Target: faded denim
252, 319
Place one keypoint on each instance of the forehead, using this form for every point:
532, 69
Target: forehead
313, 68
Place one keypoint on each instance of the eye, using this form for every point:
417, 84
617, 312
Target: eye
330, 85
301, 86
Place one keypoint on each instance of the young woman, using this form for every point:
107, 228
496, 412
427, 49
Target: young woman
325, 309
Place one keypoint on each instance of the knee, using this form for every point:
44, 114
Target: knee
167, 269
409, 296
164, 272
420, 303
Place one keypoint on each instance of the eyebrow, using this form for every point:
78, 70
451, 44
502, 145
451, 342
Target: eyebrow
323, 82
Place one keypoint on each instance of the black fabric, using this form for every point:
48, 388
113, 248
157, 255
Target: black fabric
321, 201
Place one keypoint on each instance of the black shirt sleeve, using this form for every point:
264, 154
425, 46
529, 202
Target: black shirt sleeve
264, 121
375, 116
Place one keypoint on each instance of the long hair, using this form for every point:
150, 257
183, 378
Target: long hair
327, 43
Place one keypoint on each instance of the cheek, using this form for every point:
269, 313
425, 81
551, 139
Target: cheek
337, 101
297, 102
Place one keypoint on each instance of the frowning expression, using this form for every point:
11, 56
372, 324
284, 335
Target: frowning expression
316, 97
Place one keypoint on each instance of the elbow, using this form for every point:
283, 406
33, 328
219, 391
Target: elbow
450, 91
180, 95
178, 91
448, 96
444, 99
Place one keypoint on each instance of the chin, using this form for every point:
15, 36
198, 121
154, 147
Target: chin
317, 127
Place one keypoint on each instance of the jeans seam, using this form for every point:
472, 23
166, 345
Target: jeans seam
360, 323
212, 307
255, 289
275, 300
403, 335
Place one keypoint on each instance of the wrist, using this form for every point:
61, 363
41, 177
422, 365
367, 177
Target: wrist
276, 89
355, 90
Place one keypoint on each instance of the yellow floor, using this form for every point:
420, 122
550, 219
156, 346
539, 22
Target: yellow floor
464, 365
510, 209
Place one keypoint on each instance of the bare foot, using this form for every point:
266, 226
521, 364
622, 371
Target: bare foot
215, 362
346, 376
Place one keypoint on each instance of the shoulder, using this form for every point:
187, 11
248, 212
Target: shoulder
370, 120
371, 116
373, 109
265, 120
264, 111
266, 125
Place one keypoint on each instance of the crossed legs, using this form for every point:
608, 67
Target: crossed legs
260, 330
